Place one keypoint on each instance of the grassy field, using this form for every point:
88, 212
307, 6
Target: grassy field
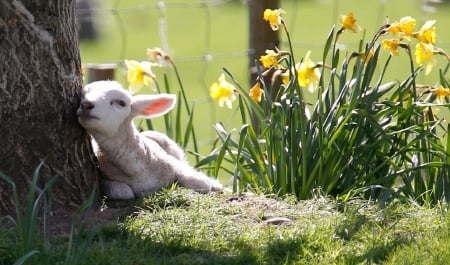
203, 39
182, 227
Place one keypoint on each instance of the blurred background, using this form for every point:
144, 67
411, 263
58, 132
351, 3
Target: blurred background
204, 36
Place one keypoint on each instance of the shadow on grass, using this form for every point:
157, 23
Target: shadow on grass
291, 251
119, 247
377, 254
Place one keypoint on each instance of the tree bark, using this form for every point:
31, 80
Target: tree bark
40, 84
261, 35
261, 38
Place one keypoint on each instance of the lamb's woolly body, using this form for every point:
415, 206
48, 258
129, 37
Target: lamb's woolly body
133, 163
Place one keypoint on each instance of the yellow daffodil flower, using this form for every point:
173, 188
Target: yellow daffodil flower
223, 92
285, 77
308, 74
392, 46
427, 34
441, 93
256, 92
139, 74
273, 16
349, 22
270, 59
403, 28
424, 52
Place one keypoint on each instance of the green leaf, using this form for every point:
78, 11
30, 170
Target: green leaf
24, 258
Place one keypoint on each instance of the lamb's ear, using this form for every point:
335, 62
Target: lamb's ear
149, 106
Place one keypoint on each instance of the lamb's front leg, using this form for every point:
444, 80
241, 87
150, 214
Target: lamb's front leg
192, 179
116, 189
113, 180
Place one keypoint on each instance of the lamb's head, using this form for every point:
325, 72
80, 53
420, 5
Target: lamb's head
106, 107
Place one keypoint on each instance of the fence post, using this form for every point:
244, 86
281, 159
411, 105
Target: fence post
261, 38
98, 72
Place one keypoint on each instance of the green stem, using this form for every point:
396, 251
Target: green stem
194, 138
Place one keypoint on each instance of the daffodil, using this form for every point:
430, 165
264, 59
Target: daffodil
441, 93
273, 16
427, 34
256, 92
308, 74
139, 74
223, 92
285, 77
403, 28
158, 56
349, 22
424, 53
392, 46
270, 59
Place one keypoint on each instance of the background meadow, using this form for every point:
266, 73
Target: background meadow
205, 36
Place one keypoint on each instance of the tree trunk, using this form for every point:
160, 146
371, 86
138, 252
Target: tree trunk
261, 38
261, 35
40, 84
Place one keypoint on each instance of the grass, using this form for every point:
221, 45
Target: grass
27, 217
178, 226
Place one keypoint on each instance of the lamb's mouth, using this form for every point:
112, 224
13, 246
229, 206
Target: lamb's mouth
86, 117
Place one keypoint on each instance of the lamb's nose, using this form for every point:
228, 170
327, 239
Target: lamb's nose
87, 106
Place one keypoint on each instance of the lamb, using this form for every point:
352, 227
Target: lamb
134, 164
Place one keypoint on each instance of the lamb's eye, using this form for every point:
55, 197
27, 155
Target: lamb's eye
118, 102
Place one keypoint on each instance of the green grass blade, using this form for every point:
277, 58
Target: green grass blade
189, 129
178, 123
25, 257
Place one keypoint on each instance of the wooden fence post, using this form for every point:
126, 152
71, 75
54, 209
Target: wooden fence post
96, 72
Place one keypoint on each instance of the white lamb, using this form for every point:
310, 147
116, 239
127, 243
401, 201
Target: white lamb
134, 164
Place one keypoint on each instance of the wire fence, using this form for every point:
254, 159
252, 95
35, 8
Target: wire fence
87, 12
156, 16
89, 9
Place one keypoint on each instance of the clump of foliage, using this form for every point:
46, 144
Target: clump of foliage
27, 217
362, 134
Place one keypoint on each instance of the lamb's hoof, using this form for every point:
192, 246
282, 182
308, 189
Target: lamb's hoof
216, 186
